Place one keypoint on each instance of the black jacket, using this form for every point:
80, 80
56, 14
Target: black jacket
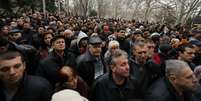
86, 68
106, 90
162, 90
31, 88
48, 68
145, 74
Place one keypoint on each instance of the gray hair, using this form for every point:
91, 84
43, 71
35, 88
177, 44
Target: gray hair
139, 44
118, 53
112, 43
174, 66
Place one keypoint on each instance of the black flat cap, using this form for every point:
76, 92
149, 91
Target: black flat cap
15, 30
95, 40
195, 42
57, 37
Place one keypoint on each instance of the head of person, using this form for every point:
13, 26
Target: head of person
197, 45
95, 45
67, 94
119, 64
137, 34
68, 77
139, 50
5, 30
15, 34
68, 34
197, 72
58, 43
150, 47
186, 52
155, 37
165, 40
46, 38
4, 44
180, 75
20, 22
26, 26
82, 40
113, 45
121, 34
41, 30
12, 67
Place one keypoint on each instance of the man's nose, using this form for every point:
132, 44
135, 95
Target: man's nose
12, 71
195, 79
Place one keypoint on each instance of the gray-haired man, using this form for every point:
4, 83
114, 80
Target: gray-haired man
177, 85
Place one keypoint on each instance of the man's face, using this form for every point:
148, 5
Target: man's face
5, 30
95, 49
48, 38
113, 48
121, 34
140, 54
59, 44
83, 43
71, 82
41, 30
27, 26
16, 36
20, 22
11, 71
188, 54
186, 80
150, 49
121, 68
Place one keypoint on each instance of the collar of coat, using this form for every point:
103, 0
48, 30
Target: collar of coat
186, 95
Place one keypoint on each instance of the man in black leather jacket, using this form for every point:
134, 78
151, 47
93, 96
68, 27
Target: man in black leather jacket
15, 85
177, 85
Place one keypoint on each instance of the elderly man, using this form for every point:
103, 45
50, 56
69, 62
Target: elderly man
15, 85
116, 85
90, 65
176, 85
49, 67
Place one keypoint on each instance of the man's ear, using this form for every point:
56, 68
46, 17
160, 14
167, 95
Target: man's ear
24, 64
172, 77
112, 67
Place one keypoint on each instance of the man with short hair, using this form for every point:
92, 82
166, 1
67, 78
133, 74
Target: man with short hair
15, 85
143, 70
177, 84
187, 54
116, 85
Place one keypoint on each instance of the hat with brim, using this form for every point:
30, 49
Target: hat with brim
14, 31
56, 38
95, 40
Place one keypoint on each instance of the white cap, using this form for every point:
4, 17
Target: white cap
67, 95
154, 34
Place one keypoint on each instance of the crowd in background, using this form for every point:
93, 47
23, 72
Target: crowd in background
81, 54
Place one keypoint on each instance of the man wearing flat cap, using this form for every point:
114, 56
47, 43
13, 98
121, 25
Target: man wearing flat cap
90, 65
56, 59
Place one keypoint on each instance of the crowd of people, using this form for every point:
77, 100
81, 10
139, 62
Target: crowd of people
57, 58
